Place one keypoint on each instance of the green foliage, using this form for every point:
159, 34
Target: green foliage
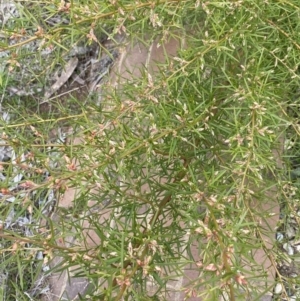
188, 162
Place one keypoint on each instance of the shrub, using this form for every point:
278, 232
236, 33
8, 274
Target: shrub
199, 136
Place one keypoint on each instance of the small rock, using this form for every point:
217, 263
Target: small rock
297, 248
279, 236
290, 232
288, 249
46, 268
39, 255
278, 289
